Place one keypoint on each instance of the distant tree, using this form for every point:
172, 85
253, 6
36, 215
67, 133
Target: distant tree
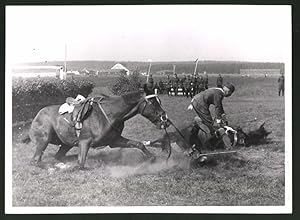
124, 84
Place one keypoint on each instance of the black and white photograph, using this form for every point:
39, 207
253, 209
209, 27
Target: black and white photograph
148, 109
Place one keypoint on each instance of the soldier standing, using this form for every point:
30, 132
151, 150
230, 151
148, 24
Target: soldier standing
169, 85
220, 81
175, 83
149, 86
205, 80
188, 87
161, 86
195, 86
281, 85
200, 84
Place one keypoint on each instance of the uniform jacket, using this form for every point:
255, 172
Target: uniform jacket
281, 81
202, 101
205, 79
219, 81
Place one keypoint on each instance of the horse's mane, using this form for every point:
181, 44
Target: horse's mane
129, 98
132, 97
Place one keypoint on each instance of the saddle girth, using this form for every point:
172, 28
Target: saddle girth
80, 113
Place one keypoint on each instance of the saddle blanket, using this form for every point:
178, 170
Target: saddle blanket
66, 107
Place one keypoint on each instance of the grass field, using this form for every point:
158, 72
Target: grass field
120, 177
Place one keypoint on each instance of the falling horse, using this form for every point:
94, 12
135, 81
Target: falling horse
185, 138
102, 126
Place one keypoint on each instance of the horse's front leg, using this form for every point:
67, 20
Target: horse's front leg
127, 143
84, 146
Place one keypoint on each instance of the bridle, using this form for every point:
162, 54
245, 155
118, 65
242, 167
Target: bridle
229, 129
164, 117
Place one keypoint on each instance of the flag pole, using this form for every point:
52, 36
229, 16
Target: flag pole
196, 67
148, 71
174, 69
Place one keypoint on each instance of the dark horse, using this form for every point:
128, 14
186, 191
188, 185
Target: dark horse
102, 127
185, 141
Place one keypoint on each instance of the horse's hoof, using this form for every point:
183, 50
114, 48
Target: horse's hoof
59, 158
34, 162
75, 168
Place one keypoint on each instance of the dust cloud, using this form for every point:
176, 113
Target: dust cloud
144, 168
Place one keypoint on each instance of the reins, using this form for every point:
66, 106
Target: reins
181, 135
169, 142
186, 142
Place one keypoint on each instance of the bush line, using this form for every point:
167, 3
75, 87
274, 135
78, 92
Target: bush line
35, 93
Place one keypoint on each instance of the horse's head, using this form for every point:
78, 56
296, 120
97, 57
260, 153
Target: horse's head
254, 137
258, 136
151, 109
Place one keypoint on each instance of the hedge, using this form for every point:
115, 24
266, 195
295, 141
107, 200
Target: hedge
31, 95
125, 84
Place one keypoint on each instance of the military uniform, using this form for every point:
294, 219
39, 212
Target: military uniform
204, 128
195, 85
281, 85
200, 84
205, 81
188, 86
220, 82
169, 85
175, 84
161, 86
202, 101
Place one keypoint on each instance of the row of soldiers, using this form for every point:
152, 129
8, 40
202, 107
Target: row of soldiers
190, 85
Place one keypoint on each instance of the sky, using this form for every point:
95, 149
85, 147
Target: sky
148, 33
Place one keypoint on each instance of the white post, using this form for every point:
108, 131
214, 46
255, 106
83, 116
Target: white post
148, 71
195, 67
62, 73
174, 68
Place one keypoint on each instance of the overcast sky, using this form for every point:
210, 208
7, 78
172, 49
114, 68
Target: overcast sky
141, 33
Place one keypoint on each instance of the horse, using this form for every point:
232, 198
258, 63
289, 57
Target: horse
103, 125
185, 138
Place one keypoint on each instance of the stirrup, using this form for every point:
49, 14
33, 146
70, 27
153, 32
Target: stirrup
78, 127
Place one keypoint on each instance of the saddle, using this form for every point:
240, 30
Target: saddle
82, 108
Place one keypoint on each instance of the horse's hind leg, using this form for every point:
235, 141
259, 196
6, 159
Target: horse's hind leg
41, 144
61, 153
126, 143
40, 137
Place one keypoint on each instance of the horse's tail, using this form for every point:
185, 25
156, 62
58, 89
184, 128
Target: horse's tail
26, 139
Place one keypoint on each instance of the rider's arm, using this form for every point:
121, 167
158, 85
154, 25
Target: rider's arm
218, 105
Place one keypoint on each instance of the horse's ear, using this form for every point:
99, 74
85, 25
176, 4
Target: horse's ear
262, 125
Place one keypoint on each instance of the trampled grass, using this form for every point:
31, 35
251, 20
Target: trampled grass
121, 177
